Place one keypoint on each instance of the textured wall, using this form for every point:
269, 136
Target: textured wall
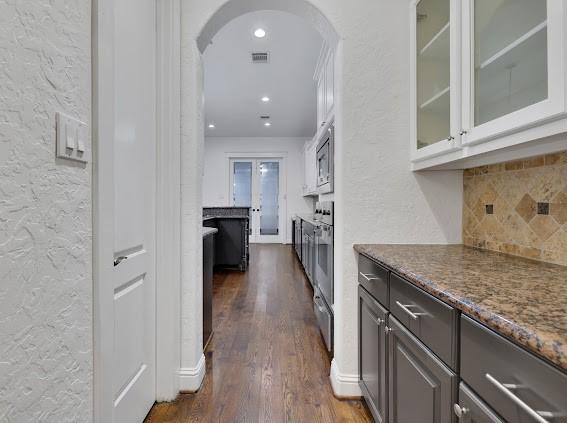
45, 215
378, 199
501, 210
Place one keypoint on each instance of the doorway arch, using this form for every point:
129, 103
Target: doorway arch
199, 25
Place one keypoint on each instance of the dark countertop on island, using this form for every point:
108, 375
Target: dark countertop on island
523, 300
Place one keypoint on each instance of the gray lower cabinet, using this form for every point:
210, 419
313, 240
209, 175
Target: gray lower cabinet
421, 388
471, 409
373, 353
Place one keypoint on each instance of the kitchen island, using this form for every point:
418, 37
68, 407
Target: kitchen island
232, 248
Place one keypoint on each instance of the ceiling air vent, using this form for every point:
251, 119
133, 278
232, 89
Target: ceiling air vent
260, 57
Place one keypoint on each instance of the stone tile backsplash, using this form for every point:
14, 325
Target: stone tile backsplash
518, 208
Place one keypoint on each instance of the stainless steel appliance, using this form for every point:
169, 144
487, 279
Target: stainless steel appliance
324, 286
308, 250
325, 161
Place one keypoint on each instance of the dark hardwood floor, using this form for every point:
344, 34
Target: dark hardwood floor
266, 361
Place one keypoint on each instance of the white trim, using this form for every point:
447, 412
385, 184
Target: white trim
103, 201
191, 378
168, 200
344, 385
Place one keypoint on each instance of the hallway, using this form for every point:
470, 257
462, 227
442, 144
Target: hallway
266, 361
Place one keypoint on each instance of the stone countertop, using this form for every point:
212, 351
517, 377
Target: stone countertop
524, 300
225, 217
307, 217
209, 231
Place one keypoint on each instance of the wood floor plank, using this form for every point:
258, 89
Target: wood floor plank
266, 361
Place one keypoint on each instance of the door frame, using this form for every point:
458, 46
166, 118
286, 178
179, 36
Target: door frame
282, 157
168, 199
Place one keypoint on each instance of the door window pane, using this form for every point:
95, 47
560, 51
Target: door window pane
510, 56
242, 189
433, 72
269, 197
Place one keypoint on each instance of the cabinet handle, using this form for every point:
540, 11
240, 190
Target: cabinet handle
388, 330
405, 308
369, 276
463, 132
507, 388
460, 412
450, 138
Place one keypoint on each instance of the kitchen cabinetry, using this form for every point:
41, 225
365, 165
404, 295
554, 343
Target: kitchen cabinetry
485, 83
421, 387
373, 352
436, 354
325, 79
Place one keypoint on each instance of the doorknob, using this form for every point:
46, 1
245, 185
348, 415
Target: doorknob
119, 260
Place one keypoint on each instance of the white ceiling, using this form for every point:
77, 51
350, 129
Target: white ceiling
234, 85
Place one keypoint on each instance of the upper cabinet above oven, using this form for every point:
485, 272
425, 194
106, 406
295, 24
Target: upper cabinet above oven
488, 80
325, 80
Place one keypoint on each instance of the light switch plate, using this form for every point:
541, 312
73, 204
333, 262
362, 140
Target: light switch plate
71, 139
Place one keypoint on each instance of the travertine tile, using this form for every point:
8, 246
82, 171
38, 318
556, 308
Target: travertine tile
514, 189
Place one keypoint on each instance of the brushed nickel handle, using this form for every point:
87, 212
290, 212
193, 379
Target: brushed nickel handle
388, 330
463, 132
405, 308
369, 276
380, 321
450, 138
507, 388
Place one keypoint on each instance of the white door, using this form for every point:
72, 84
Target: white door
259, 184
125, 308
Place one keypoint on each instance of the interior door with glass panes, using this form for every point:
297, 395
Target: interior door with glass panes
257, 183
513, 65
435, 83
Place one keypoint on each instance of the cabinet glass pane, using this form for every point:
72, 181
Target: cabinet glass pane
433, 72
510, 56
269, 198
242, 189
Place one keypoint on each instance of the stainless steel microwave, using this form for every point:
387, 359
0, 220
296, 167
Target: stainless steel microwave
325, 161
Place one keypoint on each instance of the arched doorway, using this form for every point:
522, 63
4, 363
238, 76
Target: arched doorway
197, 31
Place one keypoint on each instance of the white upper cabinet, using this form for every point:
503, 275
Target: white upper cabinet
513, 58
310, 171
488, 77
435, 81
325, 79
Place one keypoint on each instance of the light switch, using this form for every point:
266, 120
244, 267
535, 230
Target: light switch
72, 137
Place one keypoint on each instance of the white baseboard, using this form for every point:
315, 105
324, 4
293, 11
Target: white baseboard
344, 385
191, 378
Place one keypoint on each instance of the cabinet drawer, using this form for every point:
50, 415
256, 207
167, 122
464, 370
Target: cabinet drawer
516, 384
431, 320
471, 409
374, 278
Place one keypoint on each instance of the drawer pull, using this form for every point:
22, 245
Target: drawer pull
369, 276
506, 389
405, 308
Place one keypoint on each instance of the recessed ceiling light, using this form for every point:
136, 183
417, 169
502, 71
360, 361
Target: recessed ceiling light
267, 124
265, 99
211, 125
259, 33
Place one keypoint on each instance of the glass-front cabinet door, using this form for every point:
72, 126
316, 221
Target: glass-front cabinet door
513, 74
435, 80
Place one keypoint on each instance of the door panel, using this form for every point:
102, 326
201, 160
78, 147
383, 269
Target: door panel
258, 184
132, 293
422, 389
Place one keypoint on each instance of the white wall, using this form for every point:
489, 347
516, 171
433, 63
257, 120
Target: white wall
46, 356
216, 180
377, 198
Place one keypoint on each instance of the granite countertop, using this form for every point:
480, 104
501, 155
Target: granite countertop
524, 300
209, 231
307, 217
226, 217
